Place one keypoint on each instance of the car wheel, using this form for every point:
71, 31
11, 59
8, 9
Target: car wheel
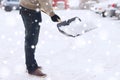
103, 14
8, 8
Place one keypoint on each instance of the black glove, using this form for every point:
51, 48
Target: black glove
55, 18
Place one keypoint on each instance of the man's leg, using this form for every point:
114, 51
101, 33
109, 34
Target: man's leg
31, 21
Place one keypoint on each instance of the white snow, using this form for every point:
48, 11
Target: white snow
92, 56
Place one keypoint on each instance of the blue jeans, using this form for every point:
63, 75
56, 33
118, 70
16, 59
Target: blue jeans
31, 20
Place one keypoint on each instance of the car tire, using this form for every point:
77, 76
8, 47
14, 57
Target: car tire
8, 8
103, 14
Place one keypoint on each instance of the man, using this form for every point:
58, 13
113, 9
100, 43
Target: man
31, 15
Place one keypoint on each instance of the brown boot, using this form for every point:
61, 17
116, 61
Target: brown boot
38, 72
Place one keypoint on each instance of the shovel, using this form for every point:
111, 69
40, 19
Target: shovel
73, 27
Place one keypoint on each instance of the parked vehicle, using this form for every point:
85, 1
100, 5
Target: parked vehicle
99, 8
9, 5
89, 4
105, 8
60, 4
117, 12
110, 11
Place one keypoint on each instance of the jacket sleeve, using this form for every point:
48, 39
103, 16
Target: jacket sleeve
46, 6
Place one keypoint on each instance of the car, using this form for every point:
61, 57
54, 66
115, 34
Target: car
99, 8
110, 11
60, 5
117, 12
89, 4
9, 5
106, 8
112, 8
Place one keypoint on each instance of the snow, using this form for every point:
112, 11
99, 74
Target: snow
92, 56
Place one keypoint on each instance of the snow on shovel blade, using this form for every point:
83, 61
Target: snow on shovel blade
64, 27
73, 27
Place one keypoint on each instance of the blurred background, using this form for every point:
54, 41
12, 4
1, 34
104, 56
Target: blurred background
106, 8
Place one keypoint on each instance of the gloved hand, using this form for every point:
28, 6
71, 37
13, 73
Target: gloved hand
55, 18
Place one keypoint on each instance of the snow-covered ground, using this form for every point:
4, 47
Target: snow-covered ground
92, 56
